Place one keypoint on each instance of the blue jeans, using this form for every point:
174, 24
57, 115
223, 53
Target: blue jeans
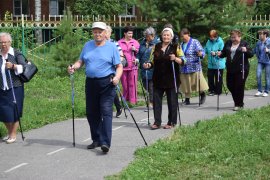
260, 68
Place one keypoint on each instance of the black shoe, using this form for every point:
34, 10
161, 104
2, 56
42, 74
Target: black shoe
202, 98
93, 145
118, 113
187, 102
105, 148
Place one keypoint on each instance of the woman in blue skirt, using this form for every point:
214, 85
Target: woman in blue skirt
13, 64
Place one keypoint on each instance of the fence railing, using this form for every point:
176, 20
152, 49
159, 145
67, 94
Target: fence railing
79, 21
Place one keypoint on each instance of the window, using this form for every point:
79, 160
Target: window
20, 7
129, 10
57, 7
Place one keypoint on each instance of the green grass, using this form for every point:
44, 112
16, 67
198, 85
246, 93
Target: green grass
229, 147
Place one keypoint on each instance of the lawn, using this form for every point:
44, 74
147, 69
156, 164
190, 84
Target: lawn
229, 147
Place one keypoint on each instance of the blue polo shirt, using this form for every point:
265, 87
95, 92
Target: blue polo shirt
100, 61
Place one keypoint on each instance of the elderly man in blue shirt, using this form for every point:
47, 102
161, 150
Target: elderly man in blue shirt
262, 51
103, 70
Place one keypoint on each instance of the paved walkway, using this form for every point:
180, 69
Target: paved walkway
47, 152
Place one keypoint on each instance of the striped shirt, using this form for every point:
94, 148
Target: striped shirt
117, 45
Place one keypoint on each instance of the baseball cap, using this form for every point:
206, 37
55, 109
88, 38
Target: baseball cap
99, 25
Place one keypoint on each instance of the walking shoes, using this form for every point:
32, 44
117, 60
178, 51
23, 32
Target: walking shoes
93, 145
5, 138
11, 140
259, 93
118, 113
167, 126
187, 102
154, 127
237, 108
202, 98
105, 148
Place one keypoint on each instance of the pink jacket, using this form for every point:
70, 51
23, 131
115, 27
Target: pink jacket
131, 56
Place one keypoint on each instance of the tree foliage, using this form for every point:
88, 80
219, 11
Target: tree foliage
198, 15
97, 7
263, 7
67, 50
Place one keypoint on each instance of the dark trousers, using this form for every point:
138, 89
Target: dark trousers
215, 82
172, 105
236, 85
117, 102
150, 88
100, 94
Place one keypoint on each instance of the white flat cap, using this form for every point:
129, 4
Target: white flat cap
99, 25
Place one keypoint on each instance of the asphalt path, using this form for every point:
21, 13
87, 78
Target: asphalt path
47, 152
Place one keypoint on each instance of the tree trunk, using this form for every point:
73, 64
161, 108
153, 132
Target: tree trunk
38, 32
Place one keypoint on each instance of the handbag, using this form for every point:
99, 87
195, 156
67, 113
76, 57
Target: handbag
29, 70
124, 61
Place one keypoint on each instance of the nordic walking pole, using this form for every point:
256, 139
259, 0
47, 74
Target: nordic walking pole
143, 91
72, 104
175, 86
243, 66
133, 69
123, 106
222, 81
15, 103
218, 75
131, 114
147, 96
199, 81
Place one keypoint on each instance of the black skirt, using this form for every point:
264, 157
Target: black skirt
8, 113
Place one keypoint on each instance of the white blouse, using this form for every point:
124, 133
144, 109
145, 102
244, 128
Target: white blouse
18, 70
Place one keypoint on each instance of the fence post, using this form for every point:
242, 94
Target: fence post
120, 27
23, 41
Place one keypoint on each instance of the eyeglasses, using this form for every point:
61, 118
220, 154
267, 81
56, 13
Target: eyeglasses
4, 42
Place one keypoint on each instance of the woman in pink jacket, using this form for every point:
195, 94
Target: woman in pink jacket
129, 78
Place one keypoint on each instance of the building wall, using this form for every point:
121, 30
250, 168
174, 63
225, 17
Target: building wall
45, 6
31, 4
5, 5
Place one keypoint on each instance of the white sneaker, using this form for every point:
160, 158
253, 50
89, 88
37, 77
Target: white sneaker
11, 140
5, 138
237, 108
258, 93
265, 94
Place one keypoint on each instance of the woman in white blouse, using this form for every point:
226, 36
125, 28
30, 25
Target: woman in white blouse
13, 64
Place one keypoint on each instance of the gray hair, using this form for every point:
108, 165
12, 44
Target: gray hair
7, 35
109, 29
168, 25
149, 31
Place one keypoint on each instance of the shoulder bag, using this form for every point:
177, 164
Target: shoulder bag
29, 69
